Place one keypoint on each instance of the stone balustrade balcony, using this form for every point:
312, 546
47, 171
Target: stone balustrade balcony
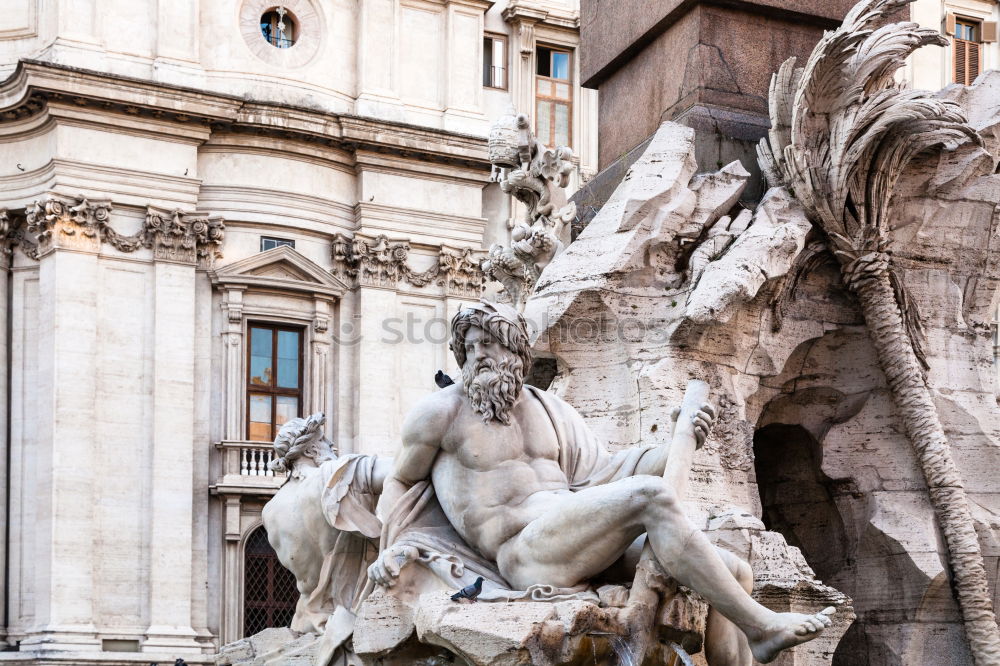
245, 468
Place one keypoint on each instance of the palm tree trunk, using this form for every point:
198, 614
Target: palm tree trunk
868, 277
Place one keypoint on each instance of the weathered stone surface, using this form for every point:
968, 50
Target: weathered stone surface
802, 389
764, 251
271, 647
385, 622
490, 634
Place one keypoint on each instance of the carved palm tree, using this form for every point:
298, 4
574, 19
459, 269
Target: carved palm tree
843, 133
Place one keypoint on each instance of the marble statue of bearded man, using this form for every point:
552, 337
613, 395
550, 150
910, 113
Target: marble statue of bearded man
504, 481
322, 525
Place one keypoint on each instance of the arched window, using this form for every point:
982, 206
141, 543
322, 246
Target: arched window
269, 592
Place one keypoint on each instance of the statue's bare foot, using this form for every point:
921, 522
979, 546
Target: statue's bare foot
789, 630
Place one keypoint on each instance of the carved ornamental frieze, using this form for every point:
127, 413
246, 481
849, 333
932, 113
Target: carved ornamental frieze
83, 223
380, 262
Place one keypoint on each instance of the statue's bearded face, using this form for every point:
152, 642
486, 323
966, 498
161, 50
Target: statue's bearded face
492, 376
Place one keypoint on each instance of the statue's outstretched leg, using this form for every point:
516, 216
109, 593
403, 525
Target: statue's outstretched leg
725, 644
581, 534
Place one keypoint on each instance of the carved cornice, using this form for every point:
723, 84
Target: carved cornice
380, 262
530, 12
35, 85
82, 223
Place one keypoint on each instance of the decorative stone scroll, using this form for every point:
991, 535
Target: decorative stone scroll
173, 236
380, 262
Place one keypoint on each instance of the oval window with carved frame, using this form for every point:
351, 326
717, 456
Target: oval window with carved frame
286, 35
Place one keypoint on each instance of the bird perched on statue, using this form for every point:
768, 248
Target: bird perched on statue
443, 380
469, 592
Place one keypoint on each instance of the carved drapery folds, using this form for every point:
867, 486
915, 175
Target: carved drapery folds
380, 262
84, 223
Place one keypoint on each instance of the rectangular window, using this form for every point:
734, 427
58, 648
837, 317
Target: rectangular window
274, 379
268, 243
967, 51
495, 62
553, 97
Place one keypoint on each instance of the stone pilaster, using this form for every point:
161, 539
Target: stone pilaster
376, 364
178, 242
321, 379
232, 362
6, 224
232, 567
66, 469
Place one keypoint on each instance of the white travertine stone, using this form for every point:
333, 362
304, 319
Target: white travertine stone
717, 193
763, 252
65, 488
481, 633
172, 494
845, 137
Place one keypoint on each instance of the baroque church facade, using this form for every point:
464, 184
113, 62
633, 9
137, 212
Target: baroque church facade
217, 216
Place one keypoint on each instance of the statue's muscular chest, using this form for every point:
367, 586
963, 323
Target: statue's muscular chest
482, 446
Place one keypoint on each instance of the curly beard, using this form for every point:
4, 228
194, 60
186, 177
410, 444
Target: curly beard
493, 386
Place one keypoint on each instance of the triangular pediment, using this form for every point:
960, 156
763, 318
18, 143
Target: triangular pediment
280, 268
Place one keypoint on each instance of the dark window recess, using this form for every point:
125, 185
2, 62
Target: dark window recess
274, 379
278, 27
269, 591
267, 243
495, 62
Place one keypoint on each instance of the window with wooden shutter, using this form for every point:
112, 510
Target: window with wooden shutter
967, 53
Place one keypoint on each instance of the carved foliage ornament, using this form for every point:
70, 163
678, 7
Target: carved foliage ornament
173, 236
177, 236
380, 262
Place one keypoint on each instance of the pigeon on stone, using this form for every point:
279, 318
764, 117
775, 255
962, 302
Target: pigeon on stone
443, 380
180, 662
469, 592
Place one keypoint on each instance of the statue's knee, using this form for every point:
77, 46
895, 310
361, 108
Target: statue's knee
657, 493
744, 574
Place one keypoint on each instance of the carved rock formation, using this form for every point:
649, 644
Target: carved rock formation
844, 133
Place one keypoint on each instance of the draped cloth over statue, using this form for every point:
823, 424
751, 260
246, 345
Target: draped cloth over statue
338, 494
417, 519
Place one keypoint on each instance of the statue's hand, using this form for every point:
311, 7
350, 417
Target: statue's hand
701, 422
385, 570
